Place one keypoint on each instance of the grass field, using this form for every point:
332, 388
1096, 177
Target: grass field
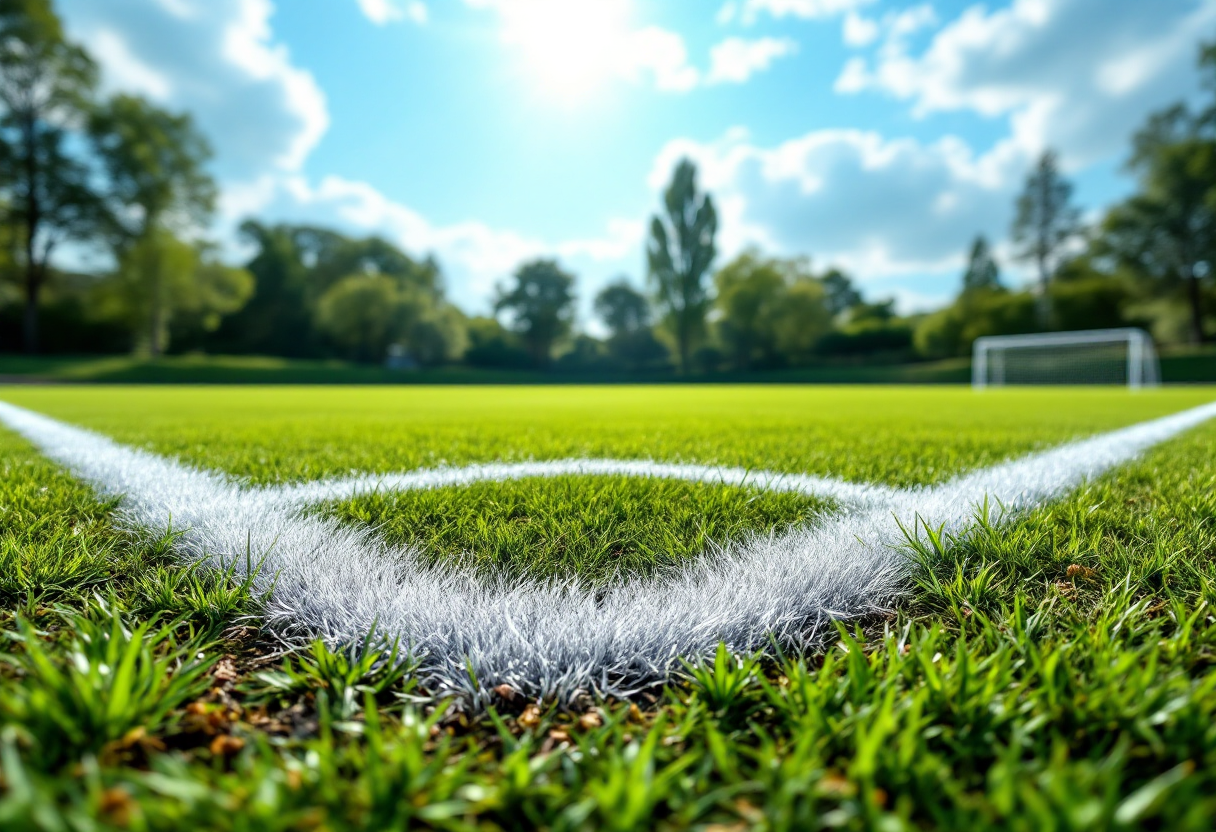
1057, 672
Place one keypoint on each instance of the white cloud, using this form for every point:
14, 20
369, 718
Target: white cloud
878, 207
734, 60
574, 46
217, 59
1078, 75
805, 9
382, 12
124, 71
858, 30
249, 44
662, 55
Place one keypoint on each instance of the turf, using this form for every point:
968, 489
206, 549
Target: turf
596, 529
900, 436
1059, 673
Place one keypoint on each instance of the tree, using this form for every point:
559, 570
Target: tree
622, 308
1167, 231
679, 255
155, 165
161, 279
278, 319
540, 304
750, 293
156, 184
626, 313
951, 331
841, 296
295, 267
982, 271
804, 318
1045, 222
770, 311
45, 86
493, 345
369, 312
359, 313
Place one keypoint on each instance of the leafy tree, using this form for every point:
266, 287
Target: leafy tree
878, 313
333, 256
1167, 231
626, 313
951, 331
295, 266
156, 185
278, 319
46, 83
540, 303
161, 279
841, 295
803, 319
622, 308
367, 313
360, 314
982, 271
750, 293
679, 255
493, 345
770, 311
155, 165
1045, 221
431, 330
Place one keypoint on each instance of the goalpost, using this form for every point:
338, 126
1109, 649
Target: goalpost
1099, 356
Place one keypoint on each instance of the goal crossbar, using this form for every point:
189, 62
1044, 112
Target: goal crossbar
1045, 358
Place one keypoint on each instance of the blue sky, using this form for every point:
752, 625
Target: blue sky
877, 136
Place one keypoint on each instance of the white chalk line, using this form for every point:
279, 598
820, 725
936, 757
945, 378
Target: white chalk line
330, 581
824, 488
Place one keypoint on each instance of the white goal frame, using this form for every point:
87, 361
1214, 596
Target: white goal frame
989, 353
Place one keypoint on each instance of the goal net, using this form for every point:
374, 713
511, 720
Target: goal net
1099, 356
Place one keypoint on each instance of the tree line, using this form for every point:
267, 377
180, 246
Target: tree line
83, 175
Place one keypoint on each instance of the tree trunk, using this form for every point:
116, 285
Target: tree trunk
30, 318
154, 319
1195, 295
683, 336
1043, 302
33, 218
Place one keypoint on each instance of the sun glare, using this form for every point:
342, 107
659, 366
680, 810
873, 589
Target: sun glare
570, 47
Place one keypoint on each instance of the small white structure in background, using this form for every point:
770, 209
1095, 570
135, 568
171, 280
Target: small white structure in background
399, 358
1097, 356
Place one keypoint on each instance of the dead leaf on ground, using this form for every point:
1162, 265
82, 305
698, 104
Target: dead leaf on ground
225, 745
530, 718
116, 805
1076, 570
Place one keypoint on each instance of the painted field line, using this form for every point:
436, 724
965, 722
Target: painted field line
849, 494
559, 639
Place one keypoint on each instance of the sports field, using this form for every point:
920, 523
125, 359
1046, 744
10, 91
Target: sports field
607, 607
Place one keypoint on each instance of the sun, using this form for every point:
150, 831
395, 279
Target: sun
570, 47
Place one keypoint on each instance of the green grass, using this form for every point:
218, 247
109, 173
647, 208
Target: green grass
599, 529
1059, 673
895, 435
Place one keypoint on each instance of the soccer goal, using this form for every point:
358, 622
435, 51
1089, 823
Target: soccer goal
1098, 356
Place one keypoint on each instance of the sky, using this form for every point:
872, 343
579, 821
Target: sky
875, 136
